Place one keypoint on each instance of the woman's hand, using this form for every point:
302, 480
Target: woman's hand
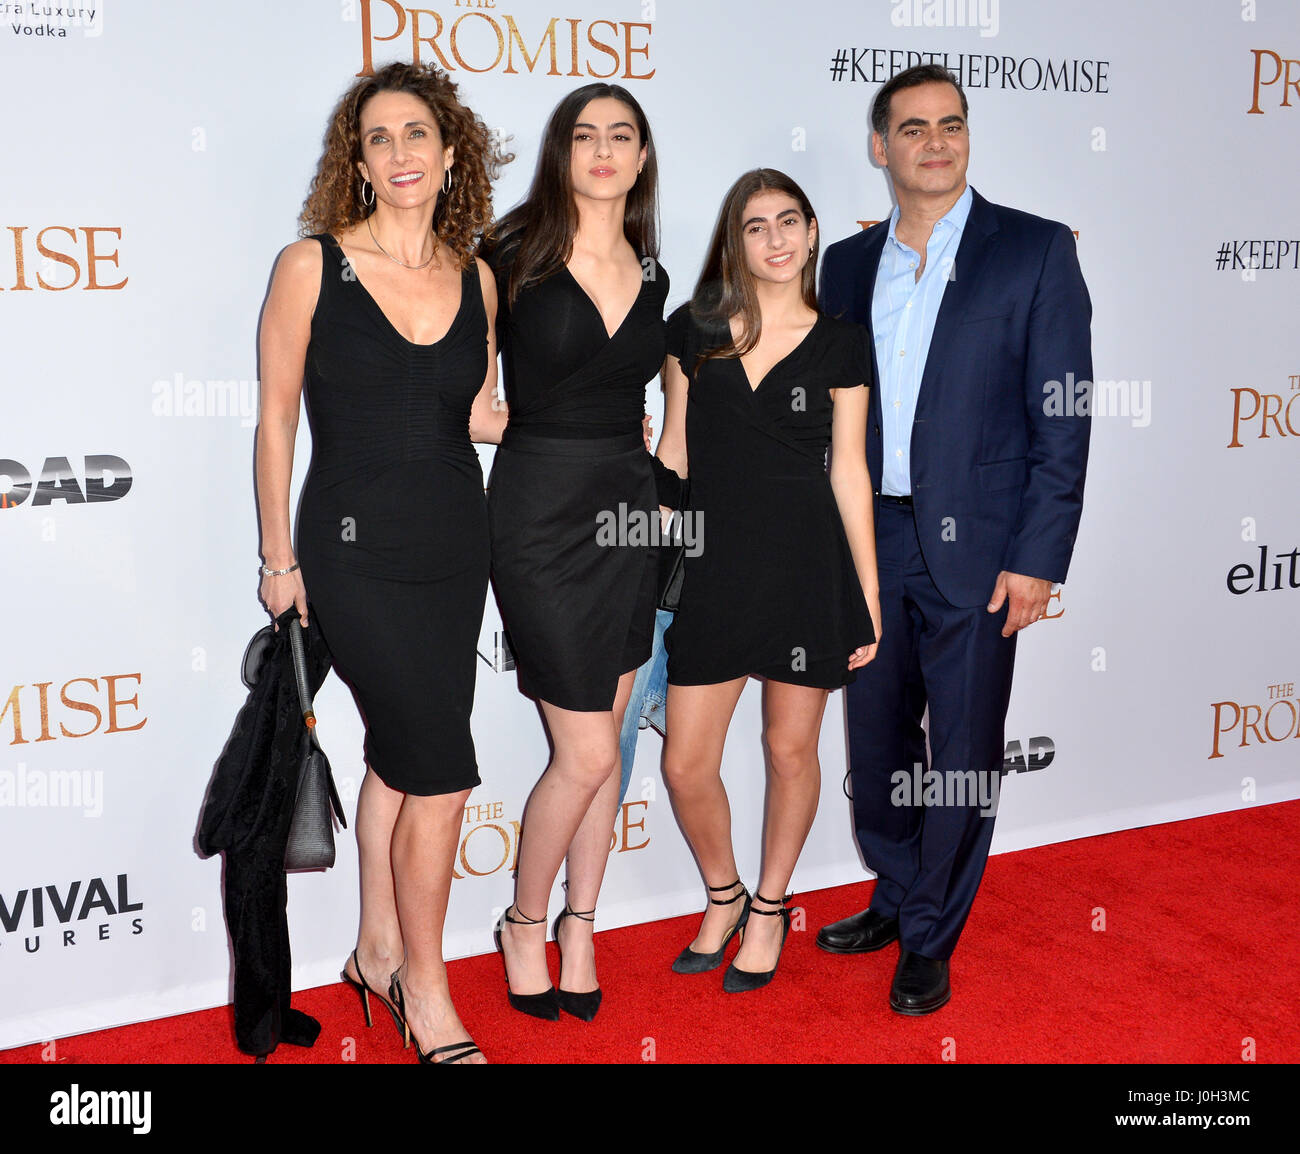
278, 593
861, 655
864, 654
647, 432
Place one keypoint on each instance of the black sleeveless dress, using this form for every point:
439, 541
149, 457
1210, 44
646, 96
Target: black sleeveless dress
571, 483
773, 591
392, 524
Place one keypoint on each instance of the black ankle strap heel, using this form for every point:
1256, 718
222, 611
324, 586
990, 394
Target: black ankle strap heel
736, 981
544, 1005
584, 1005
690, 962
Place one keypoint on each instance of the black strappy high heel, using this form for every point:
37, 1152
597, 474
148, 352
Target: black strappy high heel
736, 981
582, 1006
456, 1051
364, 991
545, 1005
690, 962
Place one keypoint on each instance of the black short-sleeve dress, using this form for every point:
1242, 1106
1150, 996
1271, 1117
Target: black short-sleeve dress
571, 482
772, 590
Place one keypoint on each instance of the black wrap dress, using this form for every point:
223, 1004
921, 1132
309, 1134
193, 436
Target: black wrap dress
576, 591
772, 589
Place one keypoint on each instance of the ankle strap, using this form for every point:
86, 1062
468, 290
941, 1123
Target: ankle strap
778, 902
570, 912
523, 919
744, 893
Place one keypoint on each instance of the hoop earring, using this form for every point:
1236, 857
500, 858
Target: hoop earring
365, 184
446, 180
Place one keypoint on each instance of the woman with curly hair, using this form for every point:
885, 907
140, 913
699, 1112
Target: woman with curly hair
383, 316
582, 331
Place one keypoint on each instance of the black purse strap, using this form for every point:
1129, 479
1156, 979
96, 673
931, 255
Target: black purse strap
298, 650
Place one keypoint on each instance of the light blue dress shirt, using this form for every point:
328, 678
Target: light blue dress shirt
903, 312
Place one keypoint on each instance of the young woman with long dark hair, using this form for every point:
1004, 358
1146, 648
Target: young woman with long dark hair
759, 385
581, 329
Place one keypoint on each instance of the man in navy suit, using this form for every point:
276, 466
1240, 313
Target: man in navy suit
980, 322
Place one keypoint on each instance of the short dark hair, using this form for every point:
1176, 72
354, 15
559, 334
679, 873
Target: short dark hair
909, 78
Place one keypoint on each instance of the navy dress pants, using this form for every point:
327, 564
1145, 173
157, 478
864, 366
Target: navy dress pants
924, 826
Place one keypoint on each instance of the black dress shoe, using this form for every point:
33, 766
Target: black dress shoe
859, 934
920, 984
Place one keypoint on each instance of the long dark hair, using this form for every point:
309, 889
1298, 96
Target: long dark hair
541, 228
726, 286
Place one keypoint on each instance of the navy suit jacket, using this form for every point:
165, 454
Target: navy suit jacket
997, 466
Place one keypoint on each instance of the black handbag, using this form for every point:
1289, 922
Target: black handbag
311, 832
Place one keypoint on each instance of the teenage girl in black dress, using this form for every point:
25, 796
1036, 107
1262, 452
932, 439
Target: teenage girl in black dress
384, 311
758, 386
581, 330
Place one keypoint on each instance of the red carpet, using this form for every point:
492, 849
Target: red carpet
1198, 955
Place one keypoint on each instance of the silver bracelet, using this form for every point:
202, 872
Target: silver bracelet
267, 572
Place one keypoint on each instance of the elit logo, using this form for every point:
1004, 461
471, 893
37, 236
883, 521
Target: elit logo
477, 41
107, 478
1265, 573
69, 905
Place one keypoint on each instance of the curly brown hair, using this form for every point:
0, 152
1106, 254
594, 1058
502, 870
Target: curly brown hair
463, 215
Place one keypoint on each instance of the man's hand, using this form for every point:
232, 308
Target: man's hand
1027, 597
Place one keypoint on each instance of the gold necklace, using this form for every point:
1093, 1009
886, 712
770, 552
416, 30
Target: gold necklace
390, 256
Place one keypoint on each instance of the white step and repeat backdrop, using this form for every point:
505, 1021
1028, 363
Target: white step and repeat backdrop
156, 157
